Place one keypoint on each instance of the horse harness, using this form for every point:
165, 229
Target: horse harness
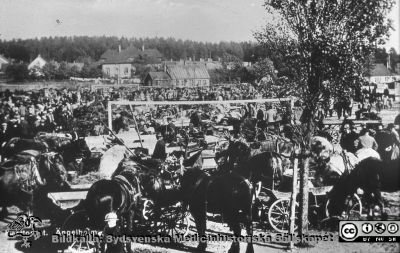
346, 162
26, 177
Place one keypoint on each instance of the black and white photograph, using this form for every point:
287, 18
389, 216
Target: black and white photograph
169, 126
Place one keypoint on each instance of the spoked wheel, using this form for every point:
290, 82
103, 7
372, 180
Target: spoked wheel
170, 221
352, 210
79, 221
279, 215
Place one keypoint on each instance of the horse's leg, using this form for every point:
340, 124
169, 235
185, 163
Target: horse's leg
379, 200
199, 216
249, 229
369, 202
235, 226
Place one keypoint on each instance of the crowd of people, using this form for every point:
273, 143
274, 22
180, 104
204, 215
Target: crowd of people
377, 138
25, 113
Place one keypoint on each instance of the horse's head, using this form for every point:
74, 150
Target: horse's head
239, 151
51, 167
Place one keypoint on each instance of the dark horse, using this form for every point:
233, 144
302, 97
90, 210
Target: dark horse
262, 168
372, 176
121, 194
26, 176
17, 145
229, 194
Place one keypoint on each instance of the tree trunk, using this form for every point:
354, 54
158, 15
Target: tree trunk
304, 170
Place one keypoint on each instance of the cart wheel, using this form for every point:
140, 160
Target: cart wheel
75, 221
353, 208
175, 224
261, 206
169, 221
279, 215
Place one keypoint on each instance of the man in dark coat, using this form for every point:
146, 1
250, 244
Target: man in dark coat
195, 119
170, 130
76, 164
348, 137
159, 150
113, 229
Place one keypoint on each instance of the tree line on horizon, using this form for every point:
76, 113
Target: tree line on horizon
86, 48
89, 50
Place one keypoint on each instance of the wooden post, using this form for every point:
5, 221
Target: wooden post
109, 115
136, 126
293, 200
304, 170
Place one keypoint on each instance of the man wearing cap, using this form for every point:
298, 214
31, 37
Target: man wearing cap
112, 228
159, 150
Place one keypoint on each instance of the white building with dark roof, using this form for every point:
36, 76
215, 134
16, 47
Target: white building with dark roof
36, 66
3, 63
120, 64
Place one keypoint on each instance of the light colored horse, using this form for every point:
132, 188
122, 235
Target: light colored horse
110, 160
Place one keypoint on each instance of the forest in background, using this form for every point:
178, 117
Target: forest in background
88, 49
83, 48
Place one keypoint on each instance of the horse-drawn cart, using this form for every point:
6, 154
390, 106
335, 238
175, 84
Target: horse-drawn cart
137, 211
274, 207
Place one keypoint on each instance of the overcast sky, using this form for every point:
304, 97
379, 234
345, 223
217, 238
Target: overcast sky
200, 20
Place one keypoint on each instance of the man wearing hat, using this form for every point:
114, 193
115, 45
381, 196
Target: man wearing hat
159, 150
76, 164
170, 130
112, 228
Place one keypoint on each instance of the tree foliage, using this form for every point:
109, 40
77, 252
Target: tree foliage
17, 72
324, 44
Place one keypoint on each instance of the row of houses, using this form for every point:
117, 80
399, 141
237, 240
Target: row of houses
121, 65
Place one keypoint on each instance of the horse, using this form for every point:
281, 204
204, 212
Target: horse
372, 176
52, 170
262, 168
387, 148
120, 193
229, 194
16, 145
331, 162
71, 149
19, 177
